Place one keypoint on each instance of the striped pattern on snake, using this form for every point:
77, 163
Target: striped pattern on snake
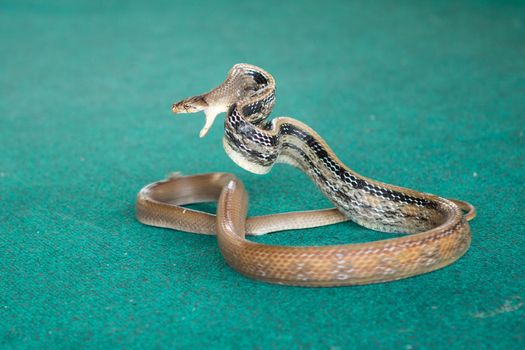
438, 232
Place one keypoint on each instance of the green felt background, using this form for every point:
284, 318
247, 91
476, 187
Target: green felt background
427, 95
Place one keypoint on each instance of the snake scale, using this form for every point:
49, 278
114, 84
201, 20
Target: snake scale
437, 230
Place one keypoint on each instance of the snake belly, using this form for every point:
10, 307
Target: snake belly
437, 230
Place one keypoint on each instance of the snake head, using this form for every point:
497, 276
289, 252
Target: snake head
190, 105
196, 104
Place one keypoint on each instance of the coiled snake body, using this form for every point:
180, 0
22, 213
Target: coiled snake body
437, 230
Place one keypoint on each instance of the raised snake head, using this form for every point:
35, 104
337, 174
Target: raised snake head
196, 104
242, 82
190, 105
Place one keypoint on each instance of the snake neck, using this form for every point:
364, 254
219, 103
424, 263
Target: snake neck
256, 144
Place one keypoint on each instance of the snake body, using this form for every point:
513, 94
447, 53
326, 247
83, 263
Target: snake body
437, 229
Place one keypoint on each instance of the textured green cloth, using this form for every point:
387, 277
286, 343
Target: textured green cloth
426, 95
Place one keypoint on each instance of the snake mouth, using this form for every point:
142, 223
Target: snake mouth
189, 105
182, 109
196, 104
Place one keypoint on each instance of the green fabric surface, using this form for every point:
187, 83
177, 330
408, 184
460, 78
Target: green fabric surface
426, 95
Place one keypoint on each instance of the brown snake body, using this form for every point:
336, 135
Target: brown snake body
437, 230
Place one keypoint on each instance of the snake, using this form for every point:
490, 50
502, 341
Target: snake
433, 231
